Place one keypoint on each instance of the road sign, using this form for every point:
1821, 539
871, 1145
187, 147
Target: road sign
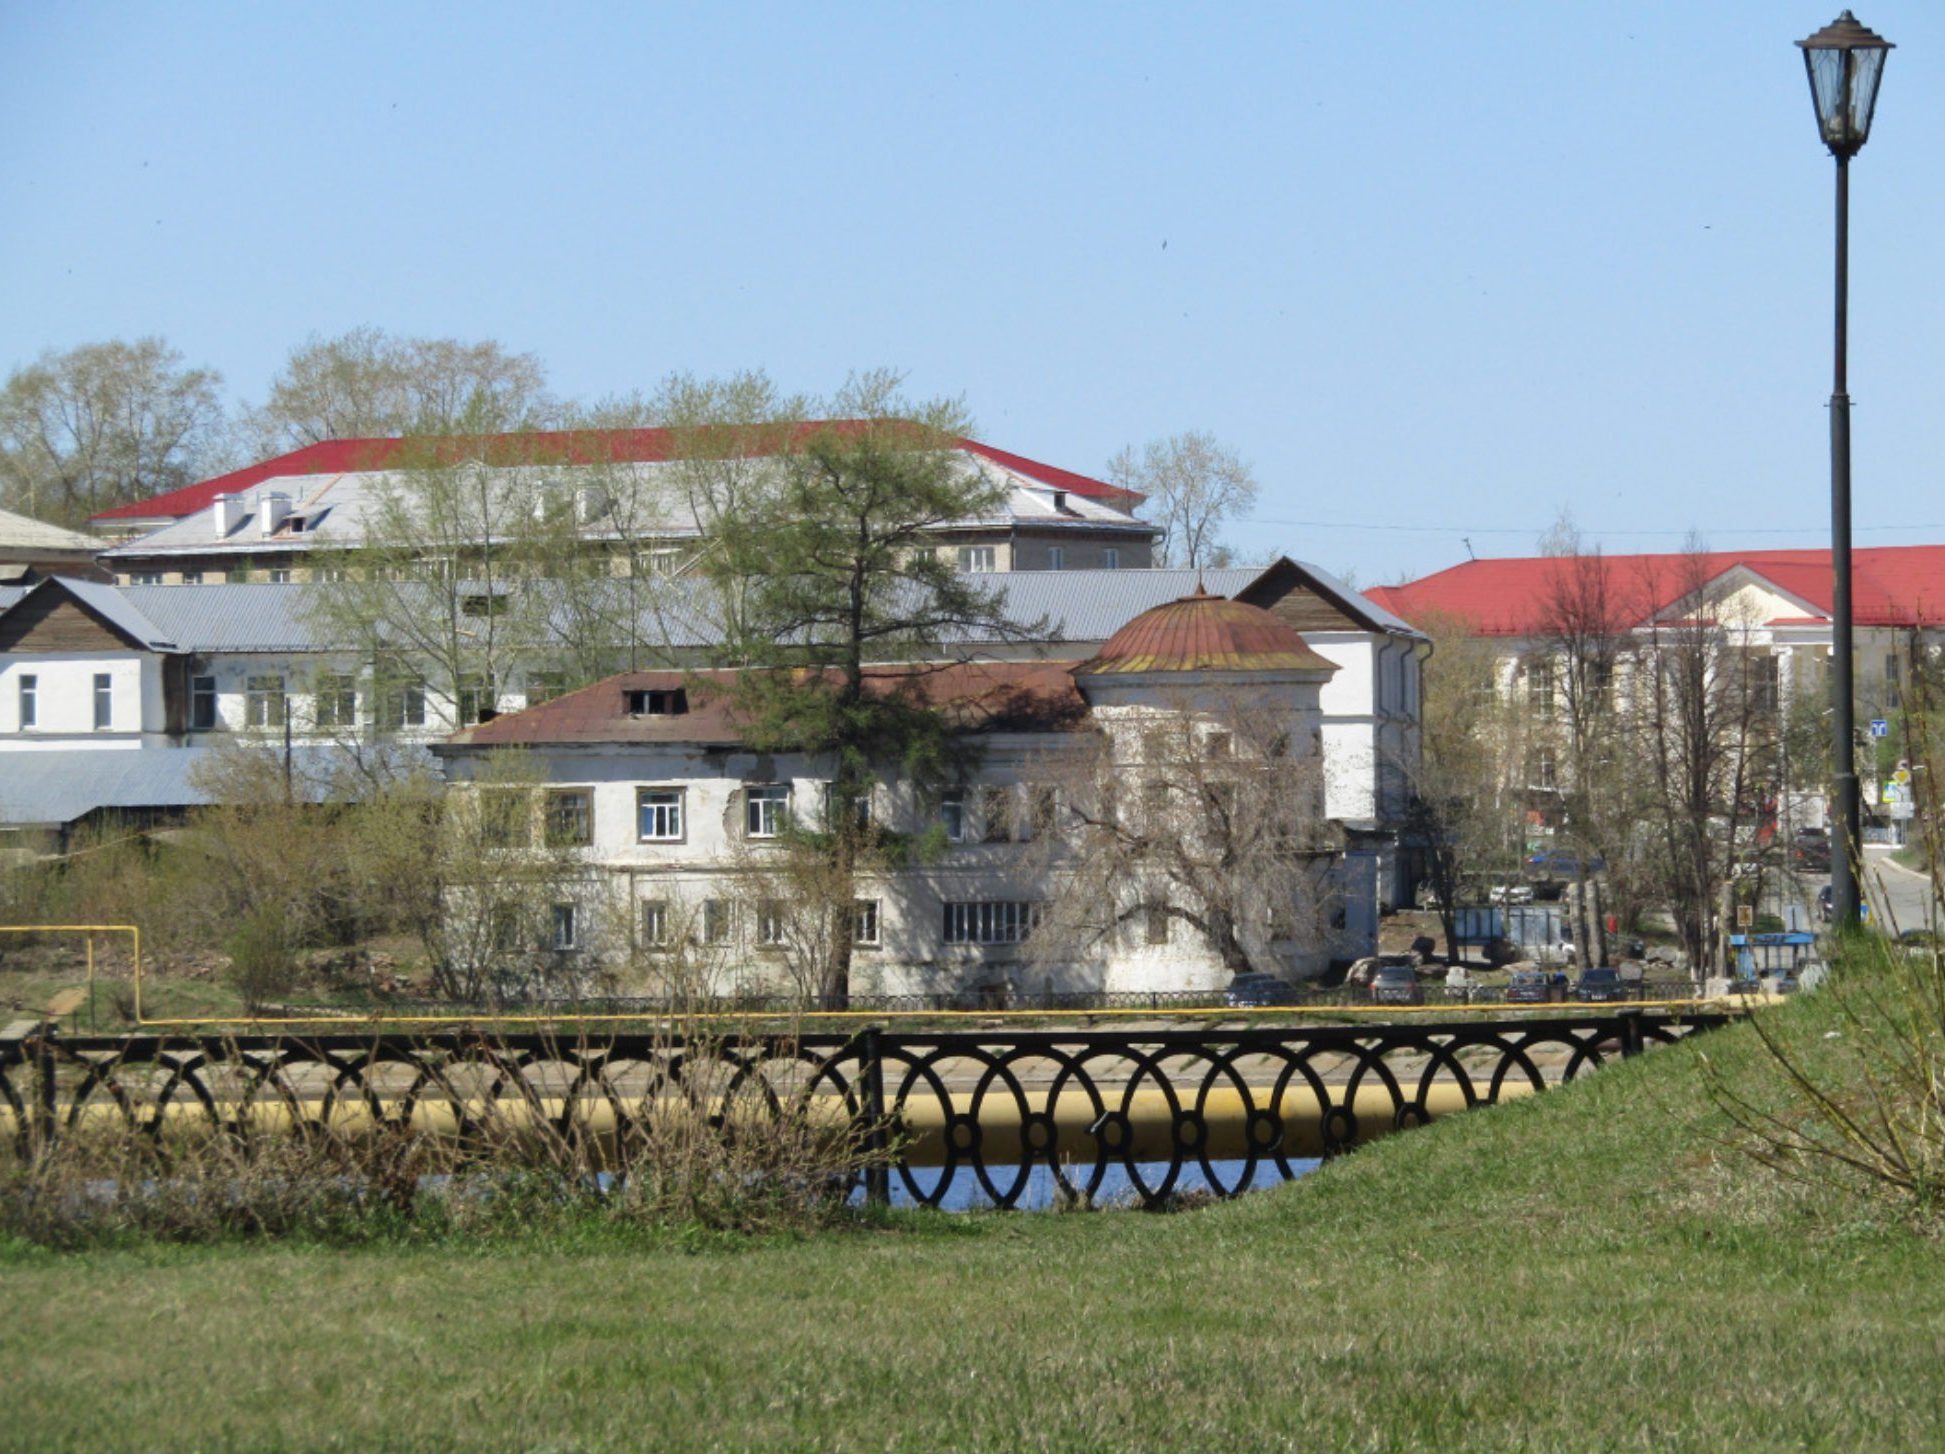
1901, 776
1745, 915
1880, 727
1903, 811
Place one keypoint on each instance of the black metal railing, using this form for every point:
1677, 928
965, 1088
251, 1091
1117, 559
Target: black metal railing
963, 1117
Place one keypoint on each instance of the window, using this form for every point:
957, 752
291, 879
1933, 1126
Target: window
995, 815
1157, 925
864, 921
658, 814
563, 926
1765, 685
1043, 807
192, 578
978, 560
716, 923
402, 705
860, 807
476, 702
1893, 681
952, 813
104, 701
570, 818
1056, 557
655, 923
657, 562
1111, 558
29, 701
202, 704
1004, 921
506, 817
337, 701
263, 701
1539, 684
766, 808
657, 702
772, 926
145, 578
278, 576
1542, 769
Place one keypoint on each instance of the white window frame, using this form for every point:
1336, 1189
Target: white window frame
278, 575
672, 817
145, 578
553, 795
1056, 557
336, 702
766, 810
717, 922
192, 578
952, 815
986, 922
655, 924
30, 694
866, 925
265, 702
202, 692
979, 560
402, 704
1111, 558
772, 924
104, 701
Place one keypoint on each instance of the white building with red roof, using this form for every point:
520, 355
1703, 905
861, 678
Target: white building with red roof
282, 519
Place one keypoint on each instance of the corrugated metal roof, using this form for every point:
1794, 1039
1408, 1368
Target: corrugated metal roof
24, 532
681, 615
113, 606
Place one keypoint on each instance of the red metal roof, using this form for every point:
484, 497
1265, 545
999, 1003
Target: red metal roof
562, 446
1892, 585
1000, 696
1204, 633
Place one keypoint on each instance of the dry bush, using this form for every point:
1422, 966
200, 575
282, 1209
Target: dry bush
691, 1151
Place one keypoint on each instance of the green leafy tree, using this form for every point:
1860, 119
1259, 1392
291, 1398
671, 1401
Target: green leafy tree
834, 565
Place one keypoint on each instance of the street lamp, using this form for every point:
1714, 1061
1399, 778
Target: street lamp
1845, 62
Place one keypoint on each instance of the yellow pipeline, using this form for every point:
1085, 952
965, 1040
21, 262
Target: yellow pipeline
1149, 1122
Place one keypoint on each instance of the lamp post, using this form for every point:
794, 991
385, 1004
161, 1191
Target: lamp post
1845, 62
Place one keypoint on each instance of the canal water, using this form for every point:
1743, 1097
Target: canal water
1042, 1192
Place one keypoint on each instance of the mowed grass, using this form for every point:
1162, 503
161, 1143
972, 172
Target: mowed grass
1572, 1272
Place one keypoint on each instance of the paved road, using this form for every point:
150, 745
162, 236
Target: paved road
1900, 898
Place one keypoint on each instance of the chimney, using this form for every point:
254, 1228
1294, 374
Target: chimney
272, 511
229, 513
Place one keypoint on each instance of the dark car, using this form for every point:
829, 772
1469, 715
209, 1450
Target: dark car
1600, 985
1258, 991
1395, 984
1560, 863
1824, 909
1535, 987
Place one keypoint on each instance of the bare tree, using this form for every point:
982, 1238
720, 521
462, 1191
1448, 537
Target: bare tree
1706, 719
1195, 485
104, 424
367, 383
1201, 819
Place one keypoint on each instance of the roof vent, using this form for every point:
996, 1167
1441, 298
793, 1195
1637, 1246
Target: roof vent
657, 701
1060, 500
272, 511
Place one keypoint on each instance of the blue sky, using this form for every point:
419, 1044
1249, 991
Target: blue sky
1437, 270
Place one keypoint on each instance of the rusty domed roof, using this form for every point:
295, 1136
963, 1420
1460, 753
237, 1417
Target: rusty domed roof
1204, 633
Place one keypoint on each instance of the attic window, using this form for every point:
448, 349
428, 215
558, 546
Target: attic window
658, 702
483, 605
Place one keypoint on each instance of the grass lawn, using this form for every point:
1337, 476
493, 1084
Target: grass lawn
1571, 1272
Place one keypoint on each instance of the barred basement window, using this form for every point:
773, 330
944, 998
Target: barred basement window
1002, 921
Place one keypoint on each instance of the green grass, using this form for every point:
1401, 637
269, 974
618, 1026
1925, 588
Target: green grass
1573, 1272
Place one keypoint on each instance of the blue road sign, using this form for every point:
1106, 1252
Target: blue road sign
1880, 727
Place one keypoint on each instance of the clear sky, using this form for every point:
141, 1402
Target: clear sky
1437, 270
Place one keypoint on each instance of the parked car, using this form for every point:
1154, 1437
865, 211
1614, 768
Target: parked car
1600, 984
1510, 894
1563, 863
1810, 853
1394, 984
1253, 991
1536, 987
